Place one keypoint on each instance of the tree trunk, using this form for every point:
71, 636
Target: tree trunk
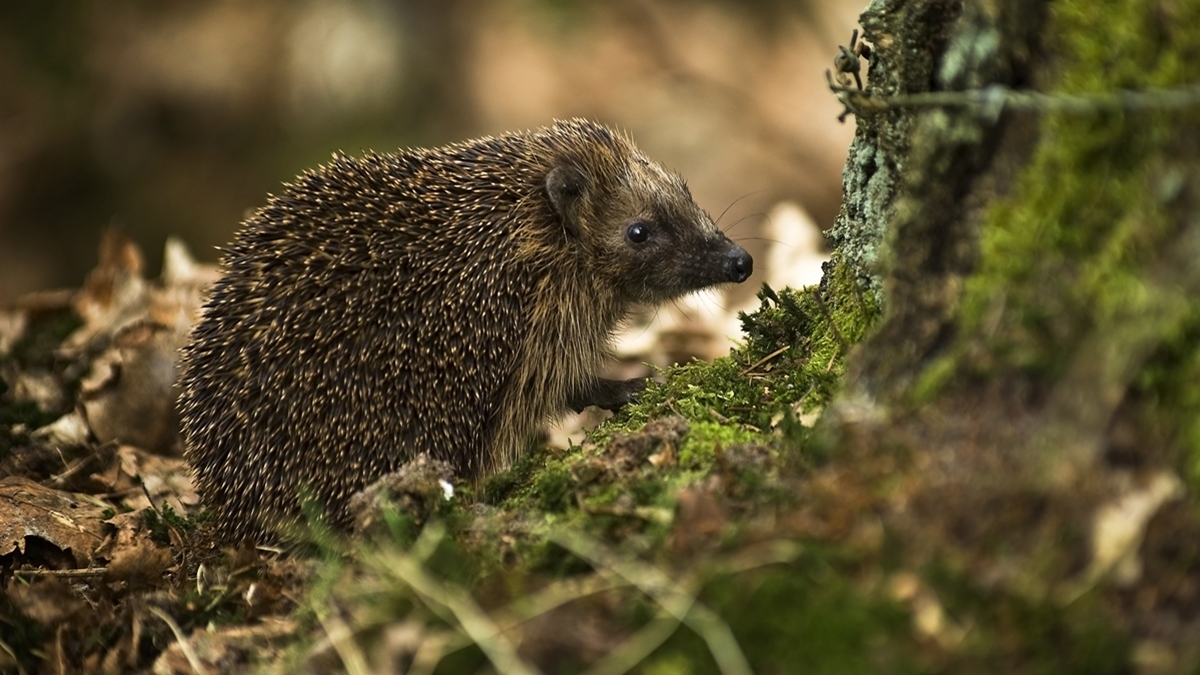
1034, 383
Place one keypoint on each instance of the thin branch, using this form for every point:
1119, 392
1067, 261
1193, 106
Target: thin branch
997, 98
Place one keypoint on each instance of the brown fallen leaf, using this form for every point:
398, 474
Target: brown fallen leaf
48, 601
129, 532
13, 323
129, 395
226, 649
113, 295
30, 512
34, 385
166, 479
133, 330
140, 566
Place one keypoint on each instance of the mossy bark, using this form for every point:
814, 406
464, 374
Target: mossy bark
1038, 362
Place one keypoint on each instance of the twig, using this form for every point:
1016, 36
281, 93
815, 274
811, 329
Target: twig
999, 97
764, 359
146, 491
85, 572
83, 464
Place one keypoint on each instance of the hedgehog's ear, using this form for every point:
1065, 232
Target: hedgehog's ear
566, 184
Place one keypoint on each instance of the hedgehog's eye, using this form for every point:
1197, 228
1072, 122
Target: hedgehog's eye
638, 232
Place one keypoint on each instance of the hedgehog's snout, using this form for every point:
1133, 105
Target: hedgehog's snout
738, 264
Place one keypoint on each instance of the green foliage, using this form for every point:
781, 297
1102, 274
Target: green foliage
809, 617
160, 527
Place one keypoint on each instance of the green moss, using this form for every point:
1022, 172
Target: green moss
506, 483
1085, 215
160, 527
1076, 254
553, 485
705, 440
792, 361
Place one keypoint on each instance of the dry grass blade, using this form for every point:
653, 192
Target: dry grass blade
433, 649
671, 596
555, 595
474, 622
634, 650
342, 639
444, 598
184, 646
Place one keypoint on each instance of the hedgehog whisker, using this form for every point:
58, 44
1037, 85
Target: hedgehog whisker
718, 221
739, 220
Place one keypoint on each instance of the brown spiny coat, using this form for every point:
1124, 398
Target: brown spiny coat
444, 301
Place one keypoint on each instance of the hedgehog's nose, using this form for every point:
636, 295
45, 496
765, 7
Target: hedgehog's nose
738, 264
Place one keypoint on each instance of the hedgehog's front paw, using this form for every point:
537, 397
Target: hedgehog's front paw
609, 394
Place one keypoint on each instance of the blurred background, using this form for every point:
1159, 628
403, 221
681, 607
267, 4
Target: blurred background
176, 117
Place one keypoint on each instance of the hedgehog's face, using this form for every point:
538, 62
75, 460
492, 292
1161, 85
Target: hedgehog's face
643, 233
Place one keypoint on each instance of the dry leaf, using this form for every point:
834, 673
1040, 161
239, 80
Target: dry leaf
136, 331
224, 648
141, 565
30, 510
167, 479
129, 395
47, 601
13, 323
113, 295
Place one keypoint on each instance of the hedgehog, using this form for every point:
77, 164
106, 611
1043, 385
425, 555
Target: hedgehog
443, 302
